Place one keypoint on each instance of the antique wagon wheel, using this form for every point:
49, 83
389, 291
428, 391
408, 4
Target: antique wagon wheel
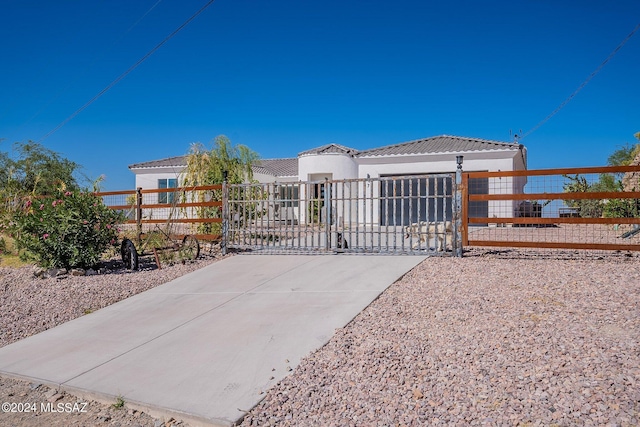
129, 254
190, 247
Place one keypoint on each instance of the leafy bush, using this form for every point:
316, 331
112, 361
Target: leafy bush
622, 208
67, 229
595, 208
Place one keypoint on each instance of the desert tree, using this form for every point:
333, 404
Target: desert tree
212, 166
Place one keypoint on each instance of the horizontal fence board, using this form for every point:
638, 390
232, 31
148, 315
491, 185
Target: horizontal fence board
206, 237
563, 171
554, 220
179, 205
558, 231
202, 237
180, 220
198, 204
555, 245
116, 193
175, 217
557, 196
181, 189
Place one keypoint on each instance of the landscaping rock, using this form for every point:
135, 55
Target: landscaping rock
49, 273
478, 341
50, 393
29, 305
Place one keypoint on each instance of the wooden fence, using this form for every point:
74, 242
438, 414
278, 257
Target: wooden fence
550, 213
558, 209
179, 210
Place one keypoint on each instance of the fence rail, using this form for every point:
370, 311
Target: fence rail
559, 209
185, 210
566, 208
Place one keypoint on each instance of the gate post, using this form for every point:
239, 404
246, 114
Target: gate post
457, 225
327, 214
139, 214
225, 216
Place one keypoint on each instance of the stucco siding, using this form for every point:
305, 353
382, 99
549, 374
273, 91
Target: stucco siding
339, 166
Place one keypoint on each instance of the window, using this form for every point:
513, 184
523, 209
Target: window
167, 197
407, 200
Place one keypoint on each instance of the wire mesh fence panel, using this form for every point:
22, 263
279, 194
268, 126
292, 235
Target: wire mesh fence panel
578, 209
123, 201
195, 211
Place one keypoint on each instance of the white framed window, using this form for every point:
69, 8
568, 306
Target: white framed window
167, 183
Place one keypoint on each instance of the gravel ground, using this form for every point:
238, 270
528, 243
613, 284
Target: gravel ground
51, 407
490, 339
29, 305
484, 340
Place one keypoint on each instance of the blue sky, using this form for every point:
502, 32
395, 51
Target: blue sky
283, 76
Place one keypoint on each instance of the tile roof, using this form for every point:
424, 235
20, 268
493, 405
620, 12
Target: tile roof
177, 161
438, 144
329, 148
275, 167
289, 166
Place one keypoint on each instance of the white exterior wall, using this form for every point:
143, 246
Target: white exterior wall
274, 210
520, 163
148, 180
436, 163
264, 178
316, 167
446, 163
285, 179
339, 166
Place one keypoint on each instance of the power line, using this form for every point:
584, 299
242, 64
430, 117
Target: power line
44, 69
88, 67
129, 70
591, 76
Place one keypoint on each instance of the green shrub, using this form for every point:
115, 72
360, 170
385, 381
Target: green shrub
622, 208
67, 229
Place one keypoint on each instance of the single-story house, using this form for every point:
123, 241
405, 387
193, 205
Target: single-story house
337, 162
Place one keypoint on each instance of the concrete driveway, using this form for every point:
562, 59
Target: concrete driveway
203, 347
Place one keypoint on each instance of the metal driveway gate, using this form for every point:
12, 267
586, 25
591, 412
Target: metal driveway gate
386, 215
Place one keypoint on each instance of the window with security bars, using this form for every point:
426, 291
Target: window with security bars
409, 200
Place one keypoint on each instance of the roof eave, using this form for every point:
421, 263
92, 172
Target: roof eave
438, 153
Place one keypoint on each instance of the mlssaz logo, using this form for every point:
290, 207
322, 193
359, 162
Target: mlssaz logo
78, 407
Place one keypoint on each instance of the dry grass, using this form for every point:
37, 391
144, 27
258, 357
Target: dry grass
10, 257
